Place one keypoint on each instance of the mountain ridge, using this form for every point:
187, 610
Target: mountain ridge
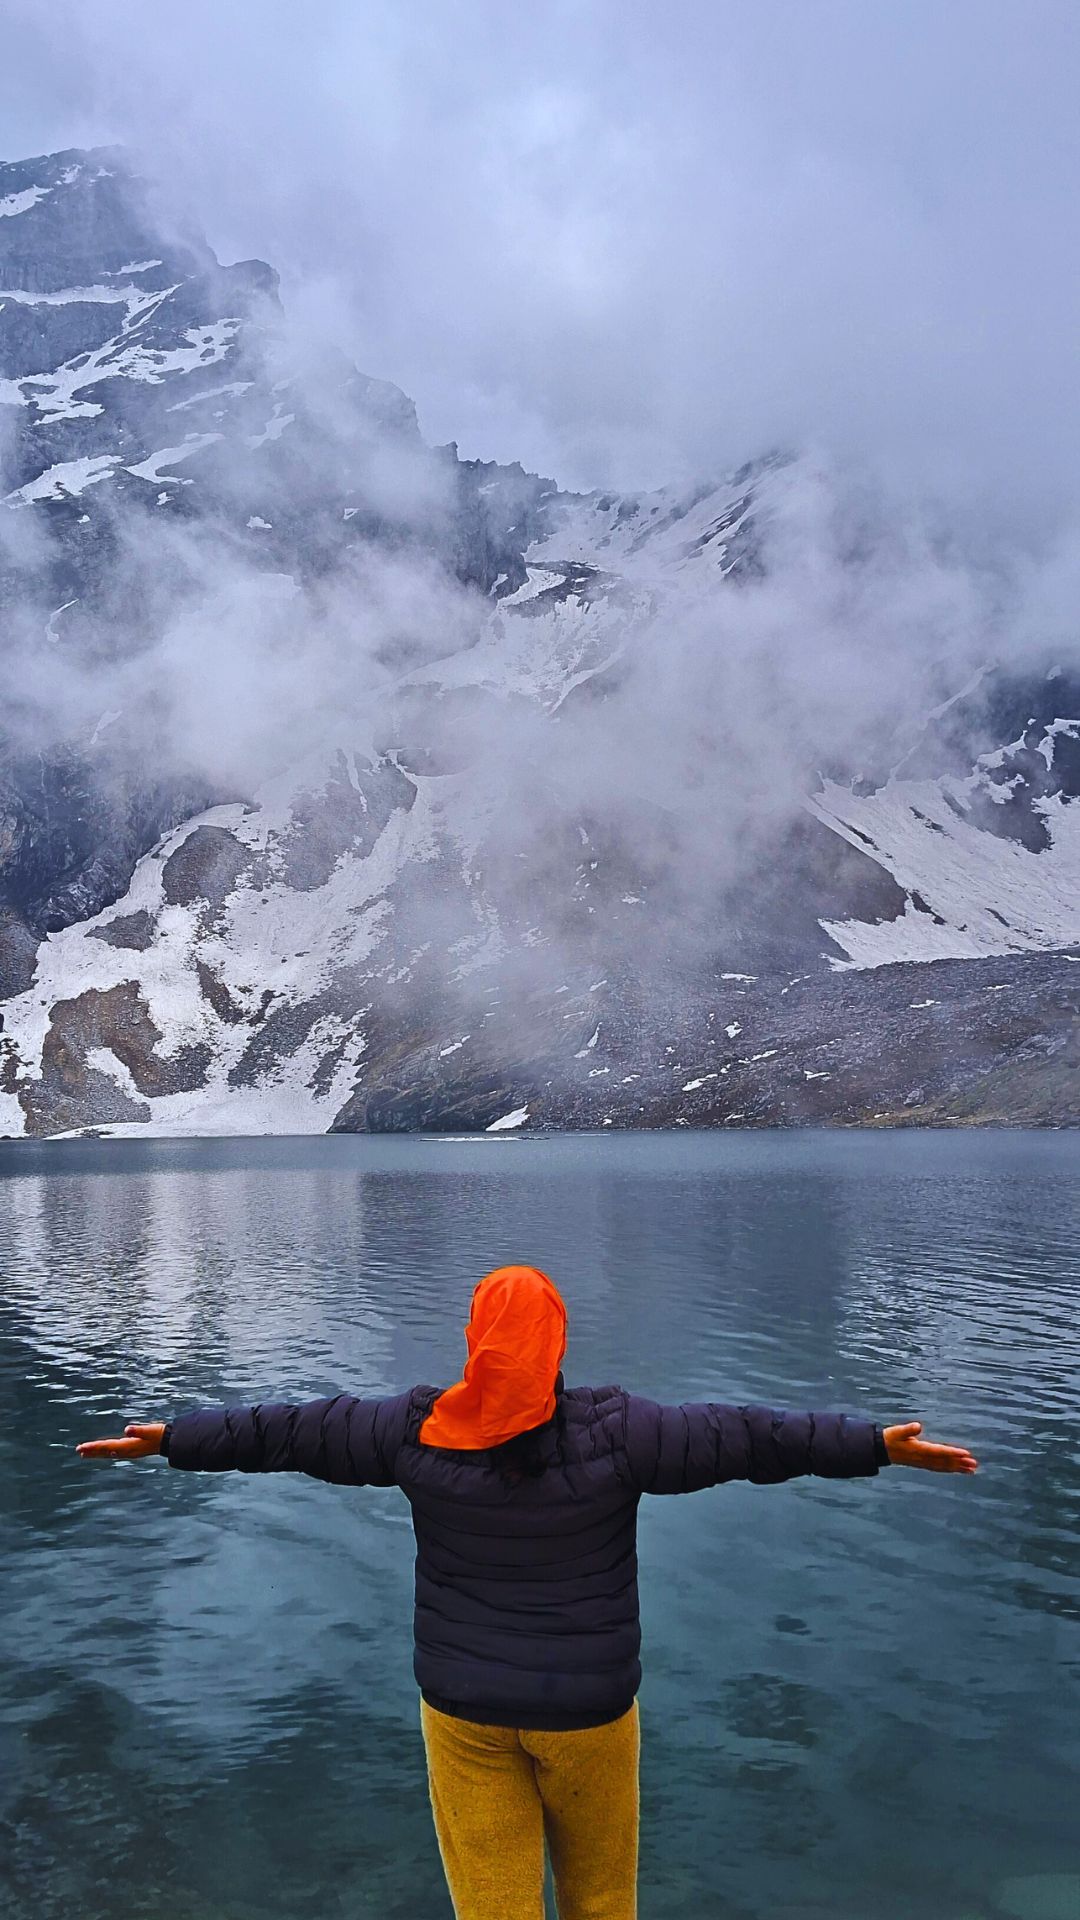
437, 911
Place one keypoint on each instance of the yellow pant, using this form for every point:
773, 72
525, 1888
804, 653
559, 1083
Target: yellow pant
498, 1792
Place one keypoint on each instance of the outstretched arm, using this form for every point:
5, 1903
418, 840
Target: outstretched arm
341, 1439
680, 1449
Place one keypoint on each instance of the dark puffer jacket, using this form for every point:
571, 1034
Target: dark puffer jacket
526, 1582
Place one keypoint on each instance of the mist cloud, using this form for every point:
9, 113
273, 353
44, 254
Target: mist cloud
625, 247
627, 244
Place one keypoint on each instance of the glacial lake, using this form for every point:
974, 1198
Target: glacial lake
860, 1700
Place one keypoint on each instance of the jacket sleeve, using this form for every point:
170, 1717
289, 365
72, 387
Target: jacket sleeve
682, 1449
350, 1442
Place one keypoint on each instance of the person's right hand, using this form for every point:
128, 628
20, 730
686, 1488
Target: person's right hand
138, 1441
907, 1450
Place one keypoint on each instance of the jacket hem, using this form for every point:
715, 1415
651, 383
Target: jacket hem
531, 1722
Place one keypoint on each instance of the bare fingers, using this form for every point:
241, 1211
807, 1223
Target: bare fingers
940, 1459
125, 1449
137, 1442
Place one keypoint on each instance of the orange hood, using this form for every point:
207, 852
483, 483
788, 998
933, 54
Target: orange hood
517, 1338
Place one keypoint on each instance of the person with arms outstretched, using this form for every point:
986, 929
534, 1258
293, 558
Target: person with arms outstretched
524, 1497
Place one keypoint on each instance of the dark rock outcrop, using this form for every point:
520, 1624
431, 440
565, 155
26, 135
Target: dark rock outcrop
205, 867
133, 931
73, 1093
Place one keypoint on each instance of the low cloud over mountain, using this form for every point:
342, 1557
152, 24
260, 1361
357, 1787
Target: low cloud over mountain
346, 782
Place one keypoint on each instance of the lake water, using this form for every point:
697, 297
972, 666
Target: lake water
860, 1699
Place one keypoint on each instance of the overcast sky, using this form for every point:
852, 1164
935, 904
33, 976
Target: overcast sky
626, 242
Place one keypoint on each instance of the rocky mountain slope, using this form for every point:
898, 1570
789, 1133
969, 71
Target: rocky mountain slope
460, 891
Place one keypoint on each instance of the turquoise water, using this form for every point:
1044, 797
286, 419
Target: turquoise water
860, 1699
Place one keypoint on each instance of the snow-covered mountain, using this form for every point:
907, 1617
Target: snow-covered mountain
472, 896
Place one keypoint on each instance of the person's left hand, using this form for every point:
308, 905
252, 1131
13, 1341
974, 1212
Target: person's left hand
905, 1449
139, 1440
